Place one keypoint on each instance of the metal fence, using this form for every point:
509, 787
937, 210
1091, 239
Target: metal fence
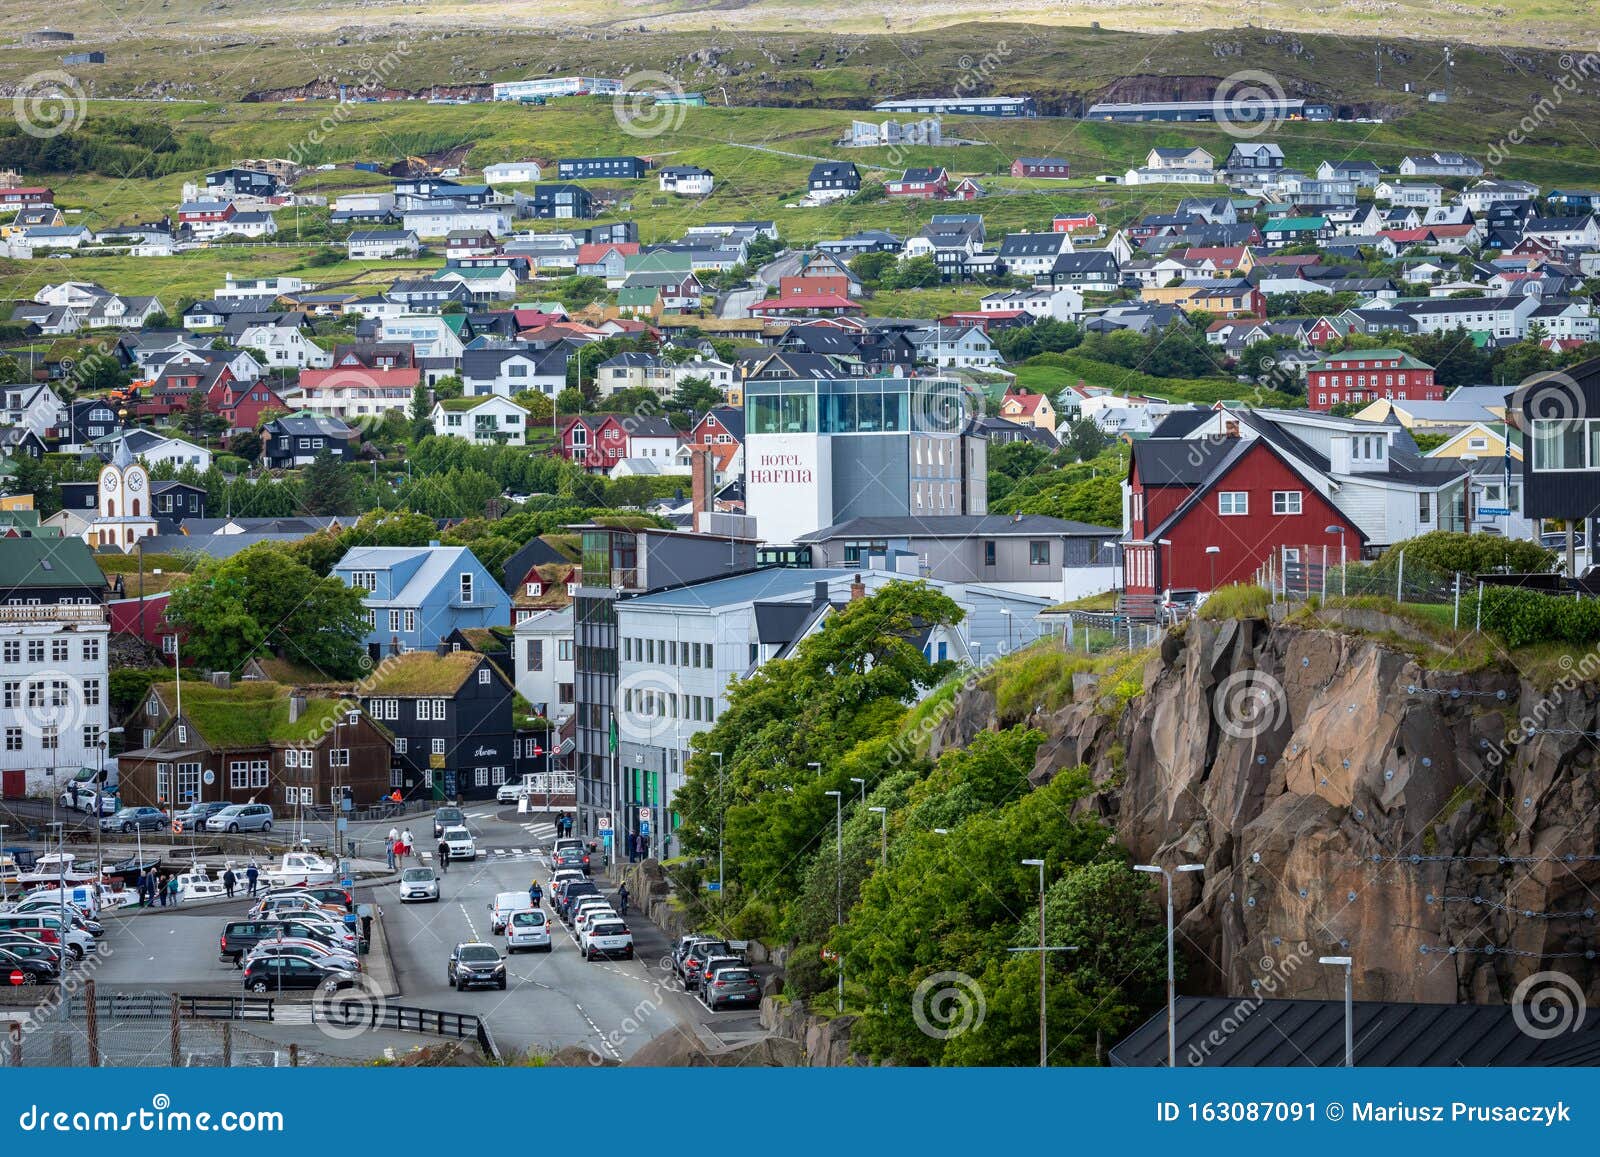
1302, 572
1094, 632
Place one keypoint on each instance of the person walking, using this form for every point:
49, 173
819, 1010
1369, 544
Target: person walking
172, 890
229, 882
409, 842
444, 856
394, 838
388, 850
396, 850
252, 875
622, 900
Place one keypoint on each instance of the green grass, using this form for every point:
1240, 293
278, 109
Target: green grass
1236, 601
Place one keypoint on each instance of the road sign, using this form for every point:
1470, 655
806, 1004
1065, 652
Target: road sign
644, 815
209, 778
16, 976
604, 823
644, 827
1494, 511
713, 886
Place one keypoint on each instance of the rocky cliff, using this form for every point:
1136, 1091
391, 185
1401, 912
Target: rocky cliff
1347, 791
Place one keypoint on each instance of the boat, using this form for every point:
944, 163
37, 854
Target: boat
129, 870
54, 867
197, 884
301, 870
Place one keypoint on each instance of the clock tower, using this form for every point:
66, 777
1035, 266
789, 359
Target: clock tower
125, 515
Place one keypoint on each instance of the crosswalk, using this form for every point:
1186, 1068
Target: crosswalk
535, 855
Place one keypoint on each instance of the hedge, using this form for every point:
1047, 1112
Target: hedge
1521, 617
1450, 552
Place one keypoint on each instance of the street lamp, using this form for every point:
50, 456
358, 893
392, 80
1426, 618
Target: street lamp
1211, 558
1044, 951
1172, 983
722, 818
884, 813
99, 794
1339, 530
863, 783
816, 765
941, 831
61, 894
1349, 1007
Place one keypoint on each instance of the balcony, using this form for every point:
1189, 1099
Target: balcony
53, 613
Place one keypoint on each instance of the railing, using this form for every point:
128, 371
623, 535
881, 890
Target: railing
403, 1018
53, 613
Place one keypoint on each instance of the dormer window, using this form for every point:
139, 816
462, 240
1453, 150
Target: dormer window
466, 587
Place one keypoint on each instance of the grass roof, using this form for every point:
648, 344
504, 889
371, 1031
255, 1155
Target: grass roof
251, 714
423, 673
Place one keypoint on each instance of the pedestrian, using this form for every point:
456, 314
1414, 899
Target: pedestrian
408, 841
622, 899
444, 856
252, 874
388, 850
162, 884
172, 890
73, 788
394, 837
229, 882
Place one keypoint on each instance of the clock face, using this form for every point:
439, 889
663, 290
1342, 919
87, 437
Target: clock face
109, 480
136, 480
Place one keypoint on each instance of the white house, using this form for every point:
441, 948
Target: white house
512, 173
54, 656
686, 180
1063, 304
1414, 195
252, 224
439, 219
513, 368
285, 346
488, 420
431, 336
954, 346
542, 661
369, 244
37, 409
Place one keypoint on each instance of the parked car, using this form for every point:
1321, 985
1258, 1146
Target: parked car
305, 950
196, 814
473, 964
501, 907
461, 844
1180, 604
606, 937
276, 973
30, 949
287, 904
736, 985
241, 817
587, 909
91, 801
240, 936
529, 928
712, 967
132, 819
569, 894
28, 970
447, 817
695, 958
419, 884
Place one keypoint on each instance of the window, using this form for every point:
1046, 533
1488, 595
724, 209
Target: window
91, 692
1286, 501
497, 776
534, 590
183, 734
438, 747
12, 694
1424, 507
483, 675
58, 650
50, 738
401, 745
13, 739
36, 649
91, 650
536, 654
410, 621
438, 710
13, 652
564, 650
1558, 444
394, 622
480, 777
466, 587
988, 553
91, 735
424, 709
1233, 502
239, 773
338, 757
364, 580
1039, 552
258, 773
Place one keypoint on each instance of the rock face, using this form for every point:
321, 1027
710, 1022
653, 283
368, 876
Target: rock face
1346, 798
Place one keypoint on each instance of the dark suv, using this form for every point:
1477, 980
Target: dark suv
240, 936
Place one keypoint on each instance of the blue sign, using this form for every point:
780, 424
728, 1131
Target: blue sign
644, 827
1494, 511
713, 886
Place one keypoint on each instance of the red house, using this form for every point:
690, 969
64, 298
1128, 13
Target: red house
26, 197
1368, 376
1235, 494
241, 404
171, 388
1075, 223
206, 212
146, 619
1053, 167
920, 184
596, 443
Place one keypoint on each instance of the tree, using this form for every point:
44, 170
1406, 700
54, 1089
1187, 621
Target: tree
325, 488
261, 601
452, 307
421, 413
538, 405
10, 370
569, 401
246, 444
695, 394
871, 267
197, 419
1085, 440
912, 273
449, 386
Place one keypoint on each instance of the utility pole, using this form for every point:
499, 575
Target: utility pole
722, 819
1172, 983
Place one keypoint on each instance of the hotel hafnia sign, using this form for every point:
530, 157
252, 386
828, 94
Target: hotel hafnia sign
781, 468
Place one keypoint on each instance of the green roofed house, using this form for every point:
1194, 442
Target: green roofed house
1288, 231
643, 301
254, 741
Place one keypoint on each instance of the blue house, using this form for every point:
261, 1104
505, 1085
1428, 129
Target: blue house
417, 595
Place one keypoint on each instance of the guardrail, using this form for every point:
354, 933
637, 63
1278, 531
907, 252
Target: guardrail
405, 1018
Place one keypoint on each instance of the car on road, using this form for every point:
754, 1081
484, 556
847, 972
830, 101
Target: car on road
529, 928
737, 985
134, 819
714, 965
196, 814
509, 793
241, 817
15, 969
276, 973
501, 907
606, 936
570, 858
447, 817
419, 884
94, 803
461, 844
474, 964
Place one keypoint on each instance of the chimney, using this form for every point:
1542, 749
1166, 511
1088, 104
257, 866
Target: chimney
221, 680
858, 589
819, 593
297, 706
703, 486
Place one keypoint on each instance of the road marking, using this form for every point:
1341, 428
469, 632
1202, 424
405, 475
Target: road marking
605, 1041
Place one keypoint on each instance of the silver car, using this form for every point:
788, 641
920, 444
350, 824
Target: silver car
419, 884
241, 817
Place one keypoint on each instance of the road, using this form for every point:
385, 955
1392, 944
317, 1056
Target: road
553, 999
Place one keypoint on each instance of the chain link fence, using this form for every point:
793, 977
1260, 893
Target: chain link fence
1296, 573
1095, 632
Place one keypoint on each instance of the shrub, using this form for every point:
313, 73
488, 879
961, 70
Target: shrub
1521, 617
1451, 552
807, 973
1236, 601
757, 920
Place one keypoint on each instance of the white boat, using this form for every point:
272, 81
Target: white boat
301, 870
54, 867
197, 884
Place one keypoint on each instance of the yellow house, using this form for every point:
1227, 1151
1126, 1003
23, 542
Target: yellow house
1482, 441
1029, 410
16, 502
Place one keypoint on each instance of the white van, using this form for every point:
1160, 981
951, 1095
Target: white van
501, 907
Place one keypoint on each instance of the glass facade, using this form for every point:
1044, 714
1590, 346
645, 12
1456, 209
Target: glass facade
854, 406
